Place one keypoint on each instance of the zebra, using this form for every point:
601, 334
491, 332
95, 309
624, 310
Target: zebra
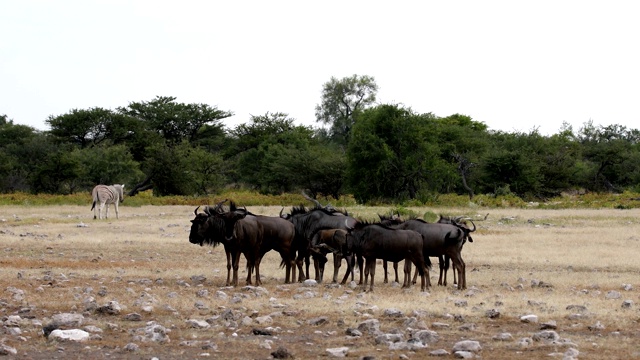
105, 194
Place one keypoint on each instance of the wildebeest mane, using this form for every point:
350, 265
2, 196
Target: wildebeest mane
364, 223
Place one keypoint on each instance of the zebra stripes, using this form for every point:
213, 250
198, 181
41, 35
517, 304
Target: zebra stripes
106, 195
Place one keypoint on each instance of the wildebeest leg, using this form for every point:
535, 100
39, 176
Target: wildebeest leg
384, 267
307, 263
337, 262
299, 263
442, 280
361, 265
406, 282
395, 270
229, 260
350, 259
371, 268
257, 268
235, 263
459, 265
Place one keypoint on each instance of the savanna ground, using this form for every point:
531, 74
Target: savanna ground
578, 255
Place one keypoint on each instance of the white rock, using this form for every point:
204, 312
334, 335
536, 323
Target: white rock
338, 352
69, 335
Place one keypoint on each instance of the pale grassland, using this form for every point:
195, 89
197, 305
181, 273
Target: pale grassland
581, 254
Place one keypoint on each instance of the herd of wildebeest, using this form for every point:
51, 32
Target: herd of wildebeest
312, 233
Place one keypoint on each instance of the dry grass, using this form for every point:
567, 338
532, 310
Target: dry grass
581, 254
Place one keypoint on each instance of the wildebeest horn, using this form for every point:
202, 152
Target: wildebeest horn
474, 226
311, 199
346, 224
196, 210
281, 210
217, 207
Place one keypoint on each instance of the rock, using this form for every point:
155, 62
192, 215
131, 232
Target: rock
613, 295
310, 283
7, 350
131, 347
111, 308
392, 313
439, 352
463, 355
467, 345
596, 327
529, 318
262, 332
133, 317
318, 321
68, 319
627, 304
549, 325
370, 326
492, 314
353, 332
69, 335
546, 336
577, 308
338, 352
426, 336
198, 324
282, 353
505, 336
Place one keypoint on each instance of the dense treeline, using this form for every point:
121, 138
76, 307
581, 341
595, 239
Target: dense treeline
377, 152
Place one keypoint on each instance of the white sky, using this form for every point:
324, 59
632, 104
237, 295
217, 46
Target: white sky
514, 65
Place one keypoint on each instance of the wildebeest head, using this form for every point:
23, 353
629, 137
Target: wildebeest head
199, 228
390, 220
205, 228
461, 223
230, 218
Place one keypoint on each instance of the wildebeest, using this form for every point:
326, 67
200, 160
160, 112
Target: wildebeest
278, 235
442, 240
376, 241
106, 195
246, 233
208, 229
307, 223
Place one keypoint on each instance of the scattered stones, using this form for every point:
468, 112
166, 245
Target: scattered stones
627, 304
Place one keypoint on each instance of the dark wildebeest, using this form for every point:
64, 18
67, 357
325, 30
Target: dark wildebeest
442, 240
376, 241
279, 234
274, 233
443, 260
307, 223
208, 229
444, 268
245, 233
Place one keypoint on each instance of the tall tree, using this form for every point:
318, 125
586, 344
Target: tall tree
175, 121
341, 100
390, 155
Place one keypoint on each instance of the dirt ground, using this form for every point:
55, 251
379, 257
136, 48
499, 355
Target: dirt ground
577, 268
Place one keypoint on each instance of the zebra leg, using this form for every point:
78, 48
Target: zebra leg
115, 204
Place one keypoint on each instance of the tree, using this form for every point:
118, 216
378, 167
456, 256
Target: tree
341, 100
174, 121
390, 156
80, 127
609, 154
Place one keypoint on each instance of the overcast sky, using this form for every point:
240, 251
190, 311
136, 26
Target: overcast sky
514, 65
